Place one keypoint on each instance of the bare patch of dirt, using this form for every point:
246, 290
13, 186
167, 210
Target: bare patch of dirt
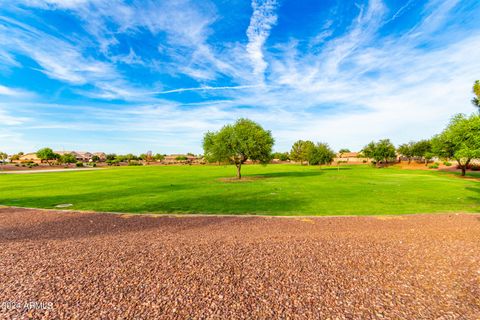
243, 179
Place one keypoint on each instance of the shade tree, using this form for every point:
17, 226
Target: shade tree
381, 151
320, 154
300, 150
282, 156
423, 149
158, 157
406, 150
460, 140
110, 156
67, 158
47, 155
238, 142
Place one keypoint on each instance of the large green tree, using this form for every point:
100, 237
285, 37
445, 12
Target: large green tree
476, 92
300, 150
406, 150
159, 157
459, 141
235, 143
423, 149
68, 158
47, 155
381, 151
282, 156
321, 153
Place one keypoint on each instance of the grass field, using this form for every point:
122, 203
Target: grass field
270, 190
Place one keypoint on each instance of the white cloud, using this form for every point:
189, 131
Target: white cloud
7, 119
208, 88
261, 22
12, 92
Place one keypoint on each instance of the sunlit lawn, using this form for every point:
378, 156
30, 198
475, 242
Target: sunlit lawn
272, 190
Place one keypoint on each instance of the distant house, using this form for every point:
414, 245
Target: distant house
83, 156
100, 155
79, 155
29, 157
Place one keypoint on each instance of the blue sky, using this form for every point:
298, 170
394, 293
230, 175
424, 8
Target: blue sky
132, 76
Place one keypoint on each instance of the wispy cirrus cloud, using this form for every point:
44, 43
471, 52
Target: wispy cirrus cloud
261, 22
14, 92
207, 88
63, 60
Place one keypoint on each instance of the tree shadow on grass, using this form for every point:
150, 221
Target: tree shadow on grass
75, 225
336, 168
50, 201
293, 174
239, 203
474, 189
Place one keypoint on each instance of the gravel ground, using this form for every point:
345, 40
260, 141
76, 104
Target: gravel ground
107, 266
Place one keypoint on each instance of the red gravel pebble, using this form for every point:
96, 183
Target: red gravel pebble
107, 266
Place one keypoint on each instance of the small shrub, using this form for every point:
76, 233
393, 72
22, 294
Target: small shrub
79, 164
474, 167
446, 163
364, 161
433, 166
114, 162
134, 163
471, 166
181, 158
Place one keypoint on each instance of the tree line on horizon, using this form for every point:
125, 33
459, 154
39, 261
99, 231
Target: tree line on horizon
247, 140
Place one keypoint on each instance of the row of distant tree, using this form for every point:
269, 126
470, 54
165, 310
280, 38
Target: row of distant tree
113, 158
246, 139
459, 141
47, 155
382, 151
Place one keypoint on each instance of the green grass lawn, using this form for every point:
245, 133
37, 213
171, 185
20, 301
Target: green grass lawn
272, 190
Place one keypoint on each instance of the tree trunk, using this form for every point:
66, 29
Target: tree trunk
464, 167
239, 174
